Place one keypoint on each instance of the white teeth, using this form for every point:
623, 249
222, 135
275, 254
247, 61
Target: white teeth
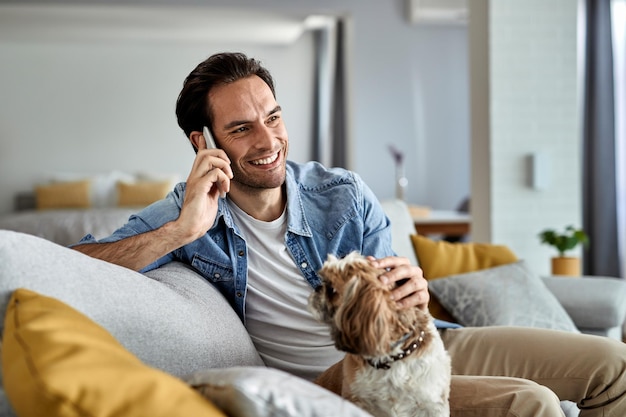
265, 161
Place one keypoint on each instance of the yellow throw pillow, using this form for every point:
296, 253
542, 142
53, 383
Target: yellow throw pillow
141, 193
59, 363
74, 194
439, 258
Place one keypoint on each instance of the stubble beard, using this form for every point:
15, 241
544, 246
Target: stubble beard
258, 183
268, 180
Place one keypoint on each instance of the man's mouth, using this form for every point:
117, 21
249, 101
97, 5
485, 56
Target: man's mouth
265, 161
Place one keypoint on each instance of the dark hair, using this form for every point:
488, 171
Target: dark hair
192, 107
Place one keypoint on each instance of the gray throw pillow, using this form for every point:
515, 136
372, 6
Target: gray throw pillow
507, 295
5, 408
266, 392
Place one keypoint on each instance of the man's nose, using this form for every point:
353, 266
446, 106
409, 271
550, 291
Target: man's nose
265, 136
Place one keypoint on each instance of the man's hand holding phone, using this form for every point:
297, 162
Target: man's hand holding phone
208, 180
208, 138
210, 144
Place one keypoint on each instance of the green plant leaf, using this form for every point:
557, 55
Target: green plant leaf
564, 241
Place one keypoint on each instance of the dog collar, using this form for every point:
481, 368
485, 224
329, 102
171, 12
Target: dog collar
385, 363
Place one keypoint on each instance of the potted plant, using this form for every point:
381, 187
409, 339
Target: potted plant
565, 241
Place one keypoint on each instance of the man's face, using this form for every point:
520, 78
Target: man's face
248, 126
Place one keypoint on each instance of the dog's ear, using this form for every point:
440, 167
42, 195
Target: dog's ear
366, 318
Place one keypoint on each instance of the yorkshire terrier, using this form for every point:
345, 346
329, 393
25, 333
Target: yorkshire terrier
395, 363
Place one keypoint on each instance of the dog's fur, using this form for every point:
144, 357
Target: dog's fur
369, 326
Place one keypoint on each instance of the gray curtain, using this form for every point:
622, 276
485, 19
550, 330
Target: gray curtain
331, 135
339, 115
599, 170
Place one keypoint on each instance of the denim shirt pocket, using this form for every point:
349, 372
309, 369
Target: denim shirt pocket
213, 271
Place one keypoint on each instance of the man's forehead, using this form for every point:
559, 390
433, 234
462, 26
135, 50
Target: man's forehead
241, 100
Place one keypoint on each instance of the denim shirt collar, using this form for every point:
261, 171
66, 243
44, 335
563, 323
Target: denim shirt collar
296, 218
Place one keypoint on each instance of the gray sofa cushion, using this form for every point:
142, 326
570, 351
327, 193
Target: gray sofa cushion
173, 320
596, 304
5, 407
506, 295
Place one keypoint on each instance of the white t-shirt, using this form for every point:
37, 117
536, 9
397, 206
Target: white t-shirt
277, 319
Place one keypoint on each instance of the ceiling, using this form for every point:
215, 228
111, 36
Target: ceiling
148, 23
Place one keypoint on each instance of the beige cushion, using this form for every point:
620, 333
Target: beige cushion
141, 193
74, 194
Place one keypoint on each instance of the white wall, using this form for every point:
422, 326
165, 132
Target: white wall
409, 87
530, 104
93, 107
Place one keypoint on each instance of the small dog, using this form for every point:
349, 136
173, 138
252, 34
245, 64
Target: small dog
396, 364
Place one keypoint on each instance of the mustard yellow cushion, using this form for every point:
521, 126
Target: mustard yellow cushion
439, 258
141, 193
74, 194
58, 362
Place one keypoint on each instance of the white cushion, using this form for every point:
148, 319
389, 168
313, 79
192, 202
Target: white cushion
402, 227
266, 392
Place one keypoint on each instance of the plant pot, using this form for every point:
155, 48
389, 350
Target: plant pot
566, 265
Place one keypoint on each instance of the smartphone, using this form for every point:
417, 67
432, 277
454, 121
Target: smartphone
210, 144
208, 137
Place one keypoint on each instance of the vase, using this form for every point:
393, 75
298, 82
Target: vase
566, 265
401, 182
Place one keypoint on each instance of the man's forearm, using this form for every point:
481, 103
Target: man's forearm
137, 251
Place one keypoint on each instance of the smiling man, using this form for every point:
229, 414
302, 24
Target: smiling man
259, 227
262, 244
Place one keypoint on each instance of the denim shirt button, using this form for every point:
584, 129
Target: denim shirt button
304, 265
216, 275
239, 294
241, 253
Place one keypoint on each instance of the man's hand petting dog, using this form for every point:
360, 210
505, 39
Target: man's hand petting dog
396, 364
411, 288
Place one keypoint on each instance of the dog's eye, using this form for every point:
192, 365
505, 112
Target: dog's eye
330, 291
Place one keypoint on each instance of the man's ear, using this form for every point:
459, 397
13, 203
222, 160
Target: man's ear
197, 140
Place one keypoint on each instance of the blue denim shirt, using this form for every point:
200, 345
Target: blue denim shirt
329, 211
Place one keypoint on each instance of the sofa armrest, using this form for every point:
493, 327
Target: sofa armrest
593, 303
402, 227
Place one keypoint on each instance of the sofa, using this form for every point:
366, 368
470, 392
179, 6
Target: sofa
592, 305
86, 337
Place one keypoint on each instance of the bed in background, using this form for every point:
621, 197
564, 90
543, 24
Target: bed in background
69, 206
67, 226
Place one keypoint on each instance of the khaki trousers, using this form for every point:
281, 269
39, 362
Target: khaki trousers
514, 371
